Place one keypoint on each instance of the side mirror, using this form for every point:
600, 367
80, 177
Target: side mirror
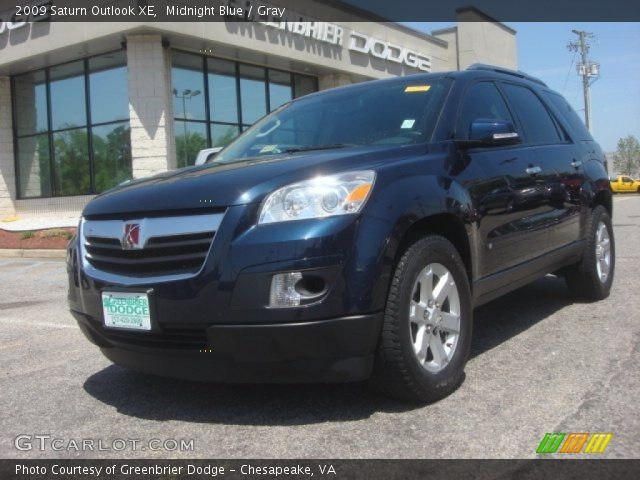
490, 133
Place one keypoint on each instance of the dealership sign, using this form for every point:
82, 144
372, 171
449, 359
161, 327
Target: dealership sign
357, 42
333, 34
37, 12
9, 26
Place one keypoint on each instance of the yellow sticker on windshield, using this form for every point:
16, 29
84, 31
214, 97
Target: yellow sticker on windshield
417, 88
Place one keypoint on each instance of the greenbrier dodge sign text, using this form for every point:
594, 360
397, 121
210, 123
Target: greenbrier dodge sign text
126, 310
127, 306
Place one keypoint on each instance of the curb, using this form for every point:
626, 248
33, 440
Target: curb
32, 253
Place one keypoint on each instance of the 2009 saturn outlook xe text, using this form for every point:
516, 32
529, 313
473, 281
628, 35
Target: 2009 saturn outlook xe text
348, 235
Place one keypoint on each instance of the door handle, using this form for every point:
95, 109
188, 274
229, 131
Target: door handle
576, 163
533, 170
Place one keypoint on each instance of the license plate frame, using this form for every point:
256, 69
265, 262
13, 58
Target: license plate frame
130, 311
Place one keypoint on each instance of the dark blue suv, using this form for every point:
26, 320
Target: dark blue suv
348, 235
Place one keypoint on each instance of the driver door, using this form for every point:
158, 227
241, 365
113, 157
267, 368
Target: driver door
507, 191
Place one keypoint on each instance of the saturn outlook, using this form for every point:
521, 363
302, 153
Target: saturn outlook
348, 236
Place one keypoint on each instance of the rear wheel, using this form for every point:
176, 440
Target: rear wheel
592, 277
426, 334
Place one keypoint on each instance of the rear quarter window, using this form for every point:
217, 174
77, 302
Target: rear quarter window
569, 115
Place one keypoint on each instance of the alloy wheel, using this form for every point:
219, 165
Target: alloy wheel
603, 252
434, 317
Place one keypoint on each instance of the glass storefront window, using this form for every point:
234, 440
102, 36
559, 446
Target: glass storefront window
54, 135
279, 88
108, 86
68, 109
223, 92
188, 87
72, 132
34, 167
111, 155
221, 110
191, 137
31, 103
71, 168
304, 84
222, 135
253, 94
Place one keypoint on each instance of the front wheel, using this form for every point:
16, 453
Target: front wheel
426, 333
592, 277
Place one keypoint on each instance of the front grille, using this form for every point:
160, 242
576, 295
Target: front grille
171, 245
161, 256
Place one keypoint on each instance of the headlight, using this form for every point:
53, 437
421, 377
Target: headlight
340, 194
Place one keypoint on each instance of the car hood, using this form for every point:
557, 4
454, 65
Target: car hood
242, 182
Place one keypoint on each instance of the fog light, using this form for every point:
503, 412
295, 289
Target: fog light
283, 290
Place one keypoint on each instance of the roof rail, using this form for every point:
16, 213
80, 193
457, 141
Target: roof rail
516, 73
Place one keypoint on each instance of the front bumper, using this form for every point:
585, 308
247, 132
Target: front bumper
336, 350
217, 326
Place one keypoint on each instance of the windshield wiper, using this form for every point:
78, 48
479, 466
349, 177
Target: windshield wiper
318, 147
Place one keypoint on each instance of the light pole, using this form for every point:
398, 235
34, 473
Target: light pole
186, 95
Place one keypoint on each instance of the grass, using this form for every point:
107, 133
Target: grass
51, 233
57, 232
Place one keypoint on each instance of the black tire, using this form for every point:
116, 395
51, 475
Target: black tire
583, 279
397, 370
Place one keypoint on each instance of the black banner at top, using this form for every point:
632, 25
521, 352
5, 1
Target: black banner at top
16, 11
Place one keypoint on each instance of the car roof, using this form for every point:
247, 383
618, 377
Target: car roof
477, 70
482, 67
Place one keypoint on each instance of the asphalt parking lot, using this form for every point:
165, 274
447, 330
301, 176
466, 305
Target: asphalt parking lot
540, 363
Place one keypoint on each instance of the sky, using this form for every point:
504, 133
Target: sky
615, 96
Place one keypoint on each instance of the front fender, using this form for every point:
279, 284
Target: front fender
399, 206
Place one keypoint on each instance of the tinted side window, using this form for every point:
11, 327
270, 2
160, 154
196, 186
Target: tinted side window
536, 121
483, 100
569, 115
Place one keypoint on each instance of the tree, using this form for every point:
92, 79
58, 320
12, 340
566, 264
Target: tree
71, 162
226, 138
111, 156
626, 160
187, 148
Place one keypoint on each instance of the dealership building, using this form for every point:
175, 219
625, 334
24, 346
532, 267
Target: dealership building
85, 106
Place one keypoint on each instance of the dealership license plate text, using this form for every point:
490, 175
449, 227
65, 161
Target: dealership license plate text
126, 310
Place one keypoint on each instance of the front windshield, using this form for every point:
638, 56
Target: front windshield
400, 112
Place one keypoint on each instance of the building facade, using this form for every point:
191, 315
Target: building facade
85, 106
